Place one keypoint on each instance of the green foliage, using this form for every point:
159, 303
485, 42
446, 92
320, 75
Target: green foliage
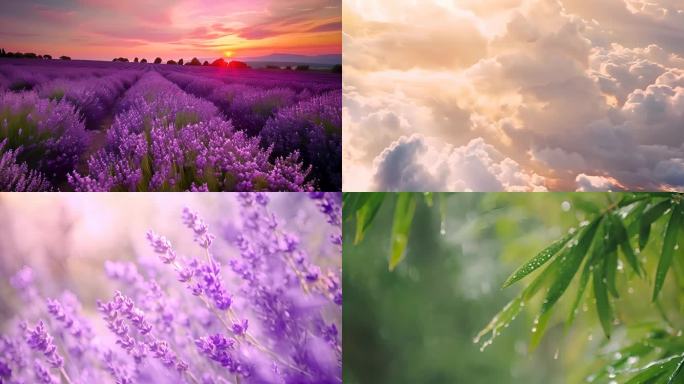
596, 251
538, 260
403, 217
597, 245
363, 207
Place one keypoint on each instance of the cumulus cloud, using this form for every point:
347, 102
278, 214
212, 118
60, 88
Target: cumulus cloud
565, 94
587, 183
417, 163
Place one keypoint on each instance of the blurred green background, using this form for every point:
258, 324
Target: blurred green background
416, 324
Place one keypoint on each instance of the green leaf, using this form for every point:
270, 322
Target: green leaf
569, 265
651, 214
540, 259
582, 286
511, 310
669, 244
601, 293
403, 216
629, 198
539, 328
610, 273
654, 370
428, 198
366, 213
677, 373
623, 239
502, 319
349, 204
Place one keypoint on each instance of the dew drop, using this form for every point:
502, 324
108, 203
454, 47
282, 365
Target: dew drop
590, 337
555, 355
565, 206
442, 227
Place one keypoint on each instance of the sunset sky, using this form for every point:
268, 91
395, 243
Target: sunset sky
513, 95
104, 29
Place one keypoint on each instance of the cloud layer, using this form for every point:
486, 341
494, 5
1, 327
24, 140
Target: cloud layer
102, 29
513, 95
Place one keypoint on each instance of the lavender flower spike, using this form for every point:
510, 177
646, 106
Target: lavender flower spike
161, 246
38, 339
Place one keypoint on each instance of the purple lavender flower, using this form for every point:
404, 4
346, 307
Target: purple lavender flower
312, 127
116, 368
220, 349
240, 328
16, 176
38, 339
199, 227
50, 133
138, 341
259, 320
5, 370
162, 247
43, 375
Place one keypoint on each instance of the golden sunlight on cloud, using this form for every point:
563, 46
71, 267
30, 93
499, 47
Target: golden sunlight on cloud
513, 95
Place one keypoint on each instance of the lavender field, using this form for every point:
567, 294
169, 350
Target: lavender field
198, 289
112, 126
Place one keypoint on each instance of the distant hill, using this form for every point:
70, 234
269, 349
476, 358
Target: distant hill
326, 60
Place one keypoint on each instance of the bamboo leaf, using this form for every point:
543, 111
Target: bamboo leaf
540, 259
428, 198
366, 214
403, 217
582, 286
676, 376
349, 205
669, 244
654, 370
511, 310
539, 328
610, 273
569, 265
630, 198
623, 239
601, 293
650, 215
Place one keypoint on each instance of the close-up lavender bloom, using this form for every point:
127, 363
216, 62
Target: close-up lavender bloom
231, 288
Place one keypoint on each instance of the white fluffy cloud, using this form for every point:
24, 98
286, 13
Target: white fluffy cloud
557, 94
587, 183
417, 163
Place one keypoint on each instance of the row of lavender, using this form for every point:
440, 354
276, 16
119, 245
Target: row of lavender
164, 139
290, 117
245, 130
271, 316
